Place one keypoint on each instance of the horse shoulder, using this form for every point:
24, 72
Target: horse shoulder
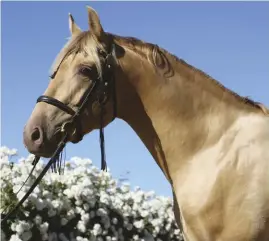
224, 189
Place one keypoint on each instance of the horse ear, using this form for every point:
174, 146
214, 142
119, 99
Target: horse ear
94, 23
74, 29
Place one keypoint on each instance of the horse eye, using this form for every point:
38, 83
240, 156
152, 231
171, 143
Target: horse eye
85, 71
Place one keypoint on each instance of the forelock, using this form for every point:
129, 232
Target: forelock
83, 43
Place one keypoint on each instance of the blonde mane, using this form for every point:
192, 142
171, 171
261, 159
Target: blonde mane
159, 57
166, 61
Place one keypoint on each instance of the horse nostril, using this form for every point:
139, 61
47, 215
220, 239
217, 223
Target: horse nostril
36, 135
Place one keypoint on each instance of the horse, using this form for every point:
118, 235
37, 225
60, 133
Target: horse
211, 144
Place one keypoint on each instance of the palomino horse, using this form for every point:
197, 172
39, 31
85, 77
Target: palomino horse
211, 144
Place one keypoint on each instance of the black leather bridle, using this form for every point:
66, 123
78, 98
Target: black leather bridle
100, 87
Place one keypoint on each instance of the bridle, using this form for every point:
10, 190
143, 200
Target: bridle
100, 86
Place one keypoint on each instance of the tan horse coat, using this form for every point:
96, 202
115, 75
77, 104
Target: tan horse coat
211, 144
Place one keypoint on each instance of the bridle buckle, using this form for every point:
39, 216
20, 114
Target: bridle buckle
67, 126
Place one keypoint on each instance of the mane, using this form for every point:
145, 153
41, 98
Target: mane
166, 61
157, 56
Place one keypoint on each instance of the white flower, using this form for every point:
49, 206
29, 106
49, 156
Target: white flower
56, 204
104, 198
136, 237
144, 213
68, 193
79, 238
70, 214
86, 206
97, 229
21, 227
78, 202
79, 210
40, 204
101, 212
81, 195
81, 227
139, 224
85, 218
6, 151
13, 226
15, 237
168, 227
125, 187
44, 227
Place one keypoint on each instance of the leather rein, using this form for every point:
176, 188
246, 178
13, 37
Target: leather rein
100, 86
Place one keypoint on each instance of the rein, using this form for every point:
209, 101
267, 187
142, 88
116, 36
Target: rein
102, 83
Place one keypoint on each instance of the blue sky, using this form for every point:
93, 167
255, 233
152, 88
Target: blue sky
227, 40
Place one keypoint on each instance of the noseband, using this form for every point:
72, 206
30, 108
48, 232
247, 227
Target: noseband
101, 88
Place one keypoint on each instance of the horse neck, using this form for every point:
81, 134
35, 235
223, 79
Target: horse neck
178, 116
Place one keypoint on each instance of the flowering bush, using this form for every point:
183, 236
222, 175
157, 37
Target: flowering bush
80, 205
